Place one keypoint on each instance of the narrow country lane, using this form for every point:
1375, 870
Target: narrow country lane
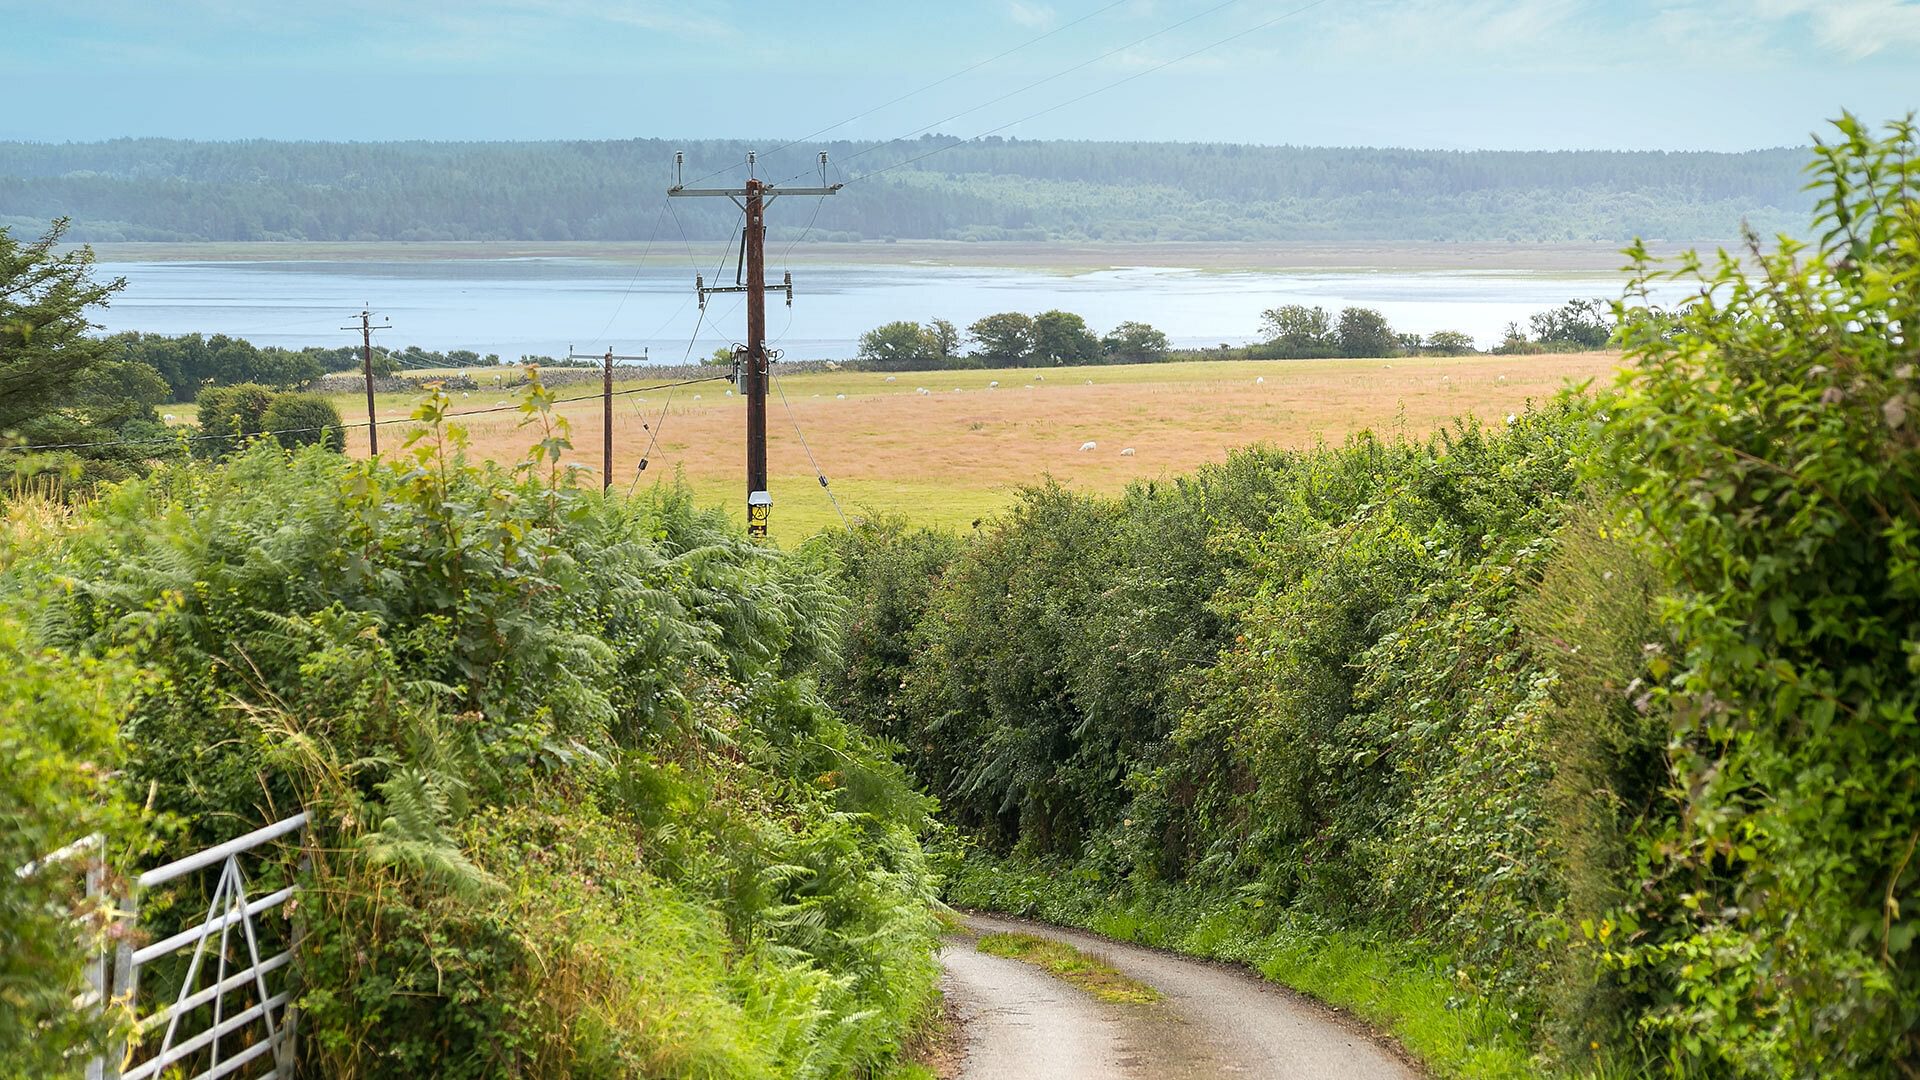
1020, 1022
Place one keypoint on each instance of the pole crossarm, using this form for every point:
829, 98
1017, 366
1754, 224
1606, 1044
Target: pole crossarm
768, 193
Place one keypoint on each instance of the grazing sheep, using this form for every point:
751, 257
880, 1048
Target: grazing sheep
1040, 378
1128, 452
1086, 446
696, 397
994, 384
729, 393
169, 418
1259, 380
839, 397
889, 378
921, 390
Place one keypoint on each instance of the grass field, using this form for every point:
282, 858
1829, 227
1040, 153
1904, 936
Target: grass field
960, 451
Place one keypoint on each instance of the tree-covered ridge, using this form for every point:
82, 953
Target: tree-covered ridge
162, 189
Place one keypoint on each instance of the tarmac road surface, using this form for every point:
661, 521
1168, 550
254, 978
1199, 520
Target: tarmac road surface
1020, 1023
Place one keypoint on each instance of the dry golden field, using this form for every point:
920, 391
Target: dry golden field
961, 450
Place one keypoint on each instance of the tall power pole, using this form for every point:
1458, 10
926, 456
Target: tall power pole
606, 408
752, 200
366, 366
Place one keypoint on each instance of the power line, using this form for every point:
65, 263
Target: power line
344, 425
1097, 90
824, 486
652, 234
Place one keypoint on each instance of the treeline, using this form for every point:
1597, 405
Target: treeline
1606, 716
994, 189
1293, 332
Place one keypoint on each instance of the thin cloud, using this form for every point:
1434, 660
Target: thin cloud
1036, 16
1854, 28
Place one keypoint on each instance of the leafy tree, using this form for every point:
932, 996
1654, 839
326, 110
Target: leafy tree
1061, 337
946, 338
1577, 324
1449, 343
1514, 341
58, 383
1006, 338
899, 346
1295, 331
1364, 332
1134, 343
298, 420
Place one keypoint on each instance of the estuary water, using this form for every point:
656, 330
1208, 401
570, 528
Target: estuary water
543, 306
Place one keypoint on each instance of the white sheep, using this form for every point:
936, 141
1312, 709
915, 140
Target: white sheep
994, 385
729, 393
889, 378
921, 390
1259, 380
1128, 452
696, 397
1087, 445
839, 397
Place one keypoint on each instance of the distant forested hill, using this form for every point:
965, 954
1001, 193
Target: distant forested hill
160, 189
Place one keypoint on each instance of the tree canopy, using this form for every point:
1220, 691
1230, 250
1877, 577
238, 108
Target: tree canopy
59, 384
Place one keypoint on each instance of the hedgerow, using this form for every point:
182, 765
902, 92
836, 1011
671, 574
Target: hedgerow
1609, 710
578, 807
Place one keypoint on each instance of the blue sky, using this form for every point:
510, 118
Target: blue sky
1675, 74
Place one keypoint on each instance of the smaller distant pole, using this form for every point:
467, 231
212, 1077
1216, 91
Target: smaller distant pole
366, 367
606, 424
606, 408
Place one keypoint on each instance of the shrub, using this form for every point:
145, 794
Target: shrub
1765, 436
229, 415
59, 749
298, 420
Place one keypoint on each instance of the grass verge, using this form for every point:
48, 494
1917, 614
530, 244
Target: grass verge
1095, 976
1396, 985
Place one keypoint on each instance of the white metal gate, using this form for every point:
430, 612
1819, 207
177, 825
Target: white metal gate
234, 1007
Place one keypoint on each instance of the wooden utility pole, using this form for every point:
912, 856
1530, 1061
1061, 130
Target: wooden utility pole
752, 200
366, 366
606, 409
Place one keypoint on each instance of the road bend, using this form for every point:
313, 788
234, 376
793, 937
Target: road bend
1018, 1022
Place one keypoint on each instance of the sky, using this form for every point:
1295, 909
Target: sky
1448, 74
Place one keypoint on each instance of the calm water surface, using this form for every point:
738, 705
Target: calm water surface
515, 307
